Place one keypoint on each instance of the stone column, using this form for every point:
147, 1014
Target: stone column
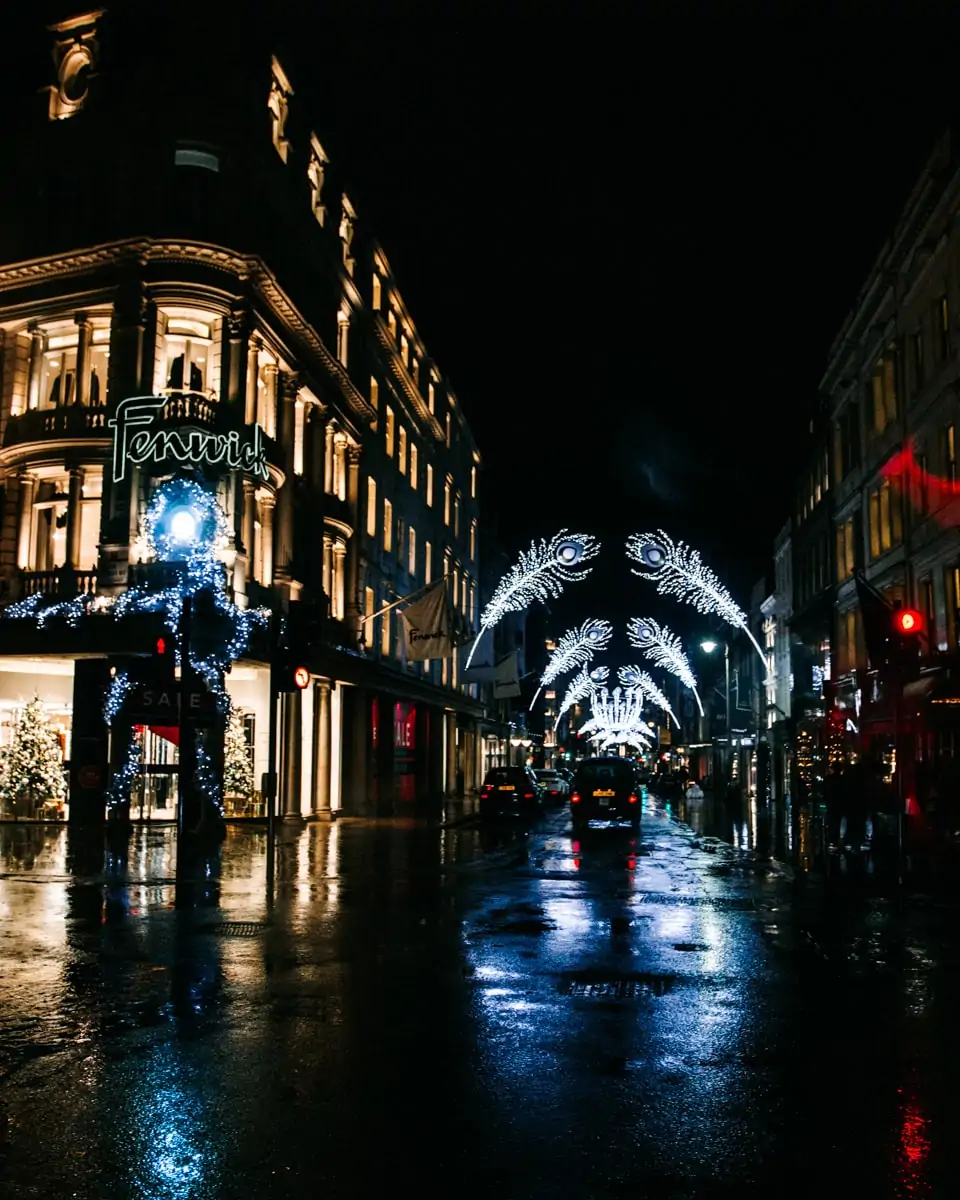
266, 541
236, 329
320, 804
291, 764
268, 417
248, 521
36, 367
89, 740
450, 782
74, 511
328, 476
84, 335
253, 373
283, 559
352, 608
339, 580
356, 722
28, 491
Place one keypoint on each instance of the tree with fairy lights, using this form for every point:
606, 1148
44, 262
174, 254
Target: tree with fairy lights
32, 769
237, 767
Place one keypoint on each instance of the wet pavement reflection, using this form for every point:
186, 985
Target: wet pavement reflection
507, 1011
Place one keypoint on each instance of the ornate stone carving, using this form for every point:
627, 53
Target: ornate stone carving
76, 52
278, 104
316, 175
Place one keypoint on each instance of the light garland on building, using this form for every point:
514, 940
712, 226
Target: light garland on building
580, 689
643, 680
122, 781
664, 649
539, 574
678, 570
120, 685
575, 649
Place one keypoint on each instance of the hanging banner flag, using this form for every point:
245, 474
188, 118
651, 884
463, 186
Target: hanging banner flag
428, 627
506, 677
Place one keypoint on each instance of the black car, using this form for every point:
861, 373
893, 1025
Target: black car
605, 789
509, 791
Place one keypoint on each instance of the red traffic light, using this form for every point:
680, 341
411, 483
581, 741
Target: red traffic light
301, 677
161, 646
908, 620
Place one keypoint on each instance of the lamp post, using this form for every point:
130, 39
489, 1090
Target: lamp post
708, 646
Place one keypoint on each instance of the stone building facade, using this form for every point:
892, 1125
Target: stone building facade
183, 235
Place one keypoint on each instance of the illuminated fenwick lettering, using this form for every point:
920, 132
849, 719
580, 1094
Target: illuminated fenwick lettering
136, 441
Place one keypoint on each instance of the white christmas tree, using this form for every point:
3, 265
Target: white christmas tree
237, 767
32, 769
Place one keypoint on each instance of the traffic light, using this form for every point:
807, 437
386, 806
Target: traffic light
907, 621
164, 657
299, 632
908, 625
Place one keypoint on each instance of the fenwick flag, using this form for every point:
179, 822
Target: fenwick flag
506, 677
428, 625
877, 617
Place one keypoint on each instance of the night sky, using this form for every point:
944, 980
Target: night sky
630, 245
628, 241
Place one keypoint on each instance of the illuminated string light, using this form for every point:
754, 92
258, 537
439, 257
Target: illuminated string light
616, 718
120, 685
575, 649
580, 689
121, 782
539, 574
643, 680
664, 649
678, 570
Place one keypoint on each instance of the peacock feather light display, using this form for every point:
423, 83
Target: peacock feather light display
575, 649
541, 573
664, 649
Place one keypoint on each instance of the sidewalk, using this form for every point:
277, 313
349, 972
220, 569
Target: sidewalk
457, 809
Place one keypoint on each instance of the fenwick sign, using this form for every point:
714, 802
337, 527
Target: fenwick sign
138, 439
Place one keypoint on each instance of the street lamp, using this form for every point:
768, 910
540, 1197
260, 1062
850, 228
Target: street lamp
708, 646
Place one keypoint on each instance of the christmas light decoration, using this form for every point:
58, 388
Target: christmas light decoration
32, 769
540, 574
643, 681
121, 782
237, 763
678, 570
575, 649
207, 779
120, 685
616, 718
664, 649
580, 689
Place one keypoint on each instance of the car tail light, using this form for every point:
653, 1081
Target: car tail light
633, 799
528, 795
575, 798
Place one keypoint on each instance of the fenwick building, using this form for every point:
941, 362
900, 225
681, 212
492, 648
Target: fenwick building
211, 388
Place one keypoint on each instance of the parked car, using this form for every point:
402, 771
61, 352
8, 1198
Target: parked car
510, 791
555, 787
605, 789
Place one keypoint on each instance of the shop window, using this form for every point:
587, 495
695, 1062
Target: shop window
50, 525
185, 353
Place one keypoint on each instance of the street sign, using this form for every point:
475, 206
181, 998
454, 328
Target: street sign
159, 704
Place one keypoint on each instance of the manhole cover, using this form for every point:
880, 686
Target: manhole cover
235, 928
630, 987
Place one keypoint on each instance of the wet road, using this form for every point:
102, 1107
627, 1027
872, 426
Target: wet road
487, 1013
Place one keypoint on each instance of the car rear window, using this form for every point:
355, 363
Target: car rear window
506, 775
610, 773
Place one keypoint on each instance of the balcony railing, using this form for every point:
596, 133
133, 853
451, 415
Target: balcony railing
44, 424
62, 581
